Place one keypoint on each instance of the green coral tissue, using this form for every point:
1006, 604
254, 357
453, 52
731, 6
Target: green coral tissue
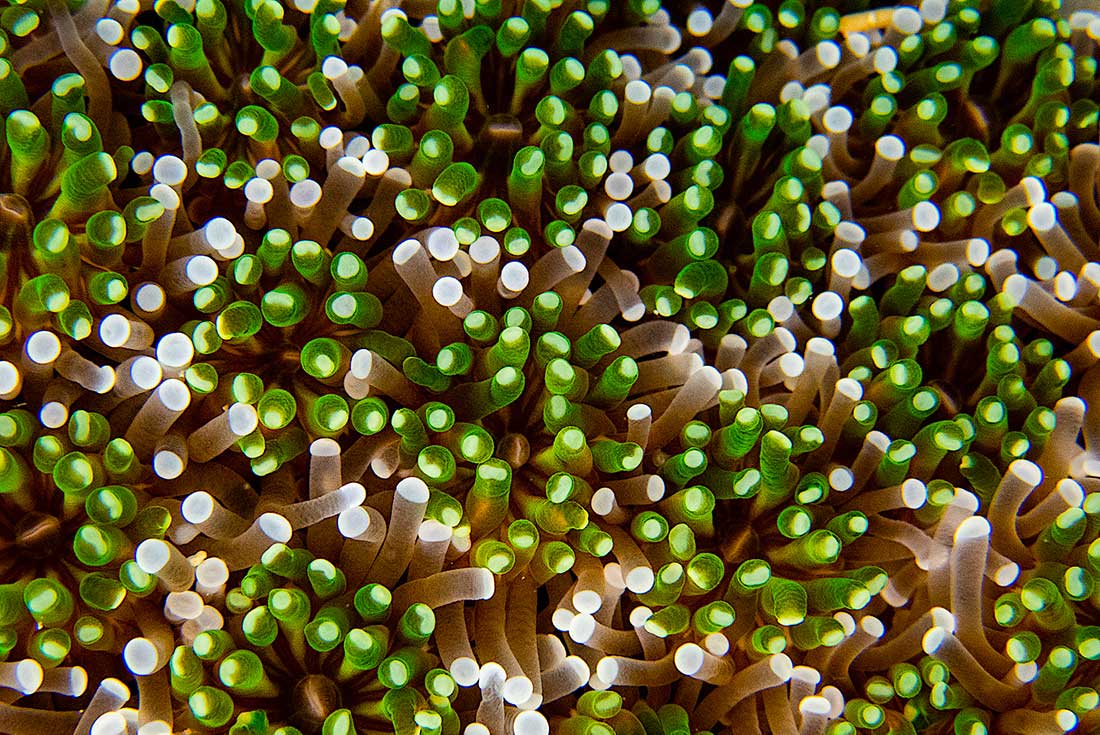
549, 367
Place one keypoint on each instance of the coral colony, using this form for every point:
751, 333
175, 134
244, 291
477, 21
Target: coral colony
517, 367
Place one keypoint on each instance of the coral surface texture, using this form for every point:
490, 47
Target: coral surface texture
549, 367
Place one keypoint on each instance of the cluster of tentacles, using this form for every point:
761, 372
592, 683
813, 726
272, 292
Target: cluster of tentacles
514, 367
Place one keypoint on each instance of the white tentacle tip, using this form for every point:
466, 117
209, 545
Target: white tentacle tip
933, 639
973, 527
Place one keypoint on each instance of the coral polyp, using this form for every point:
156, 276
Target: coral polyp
556, 366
